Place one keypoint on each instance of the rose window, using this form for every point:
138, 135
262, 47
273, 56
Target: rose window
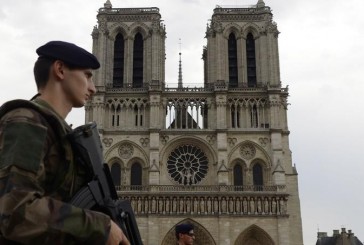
187, 165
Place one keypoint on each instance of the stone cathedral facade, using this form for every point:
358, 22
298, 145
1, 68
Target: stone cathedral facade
215, 155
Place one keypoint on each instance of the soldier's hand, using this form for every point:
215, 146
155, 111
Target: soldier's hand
116, 236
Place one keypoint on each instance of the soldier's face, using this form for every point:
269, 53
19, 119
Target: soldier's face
78, 86
187, 238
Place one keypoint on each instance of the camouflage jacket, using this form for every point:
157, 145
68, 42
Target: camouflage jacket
37, 179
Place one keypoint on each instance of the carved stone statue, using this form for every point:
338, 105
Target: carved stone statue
274, 206
208, 205
223, 205
174, 204
259, 206
231, 205
237, 205
139, 205
195, 205
266, 206
216, 205
202, 205
160, 205
252, 205
154, 205
181, 205
188, 205
245, 205
167, 207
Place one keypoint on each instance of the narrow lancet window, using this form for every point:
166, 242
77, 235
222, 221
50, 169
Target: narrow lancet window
136, 174
116, 174
233, 61
254, 116
251, 61
138, 61
118, 72
258, 176
238, 175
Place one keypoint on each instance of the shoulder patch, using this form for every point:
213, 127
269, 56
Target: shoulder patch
23, 144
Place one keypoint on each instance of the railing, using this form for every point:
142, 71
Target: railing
241, 9
187, 87
209, 203
129, 10
200, 188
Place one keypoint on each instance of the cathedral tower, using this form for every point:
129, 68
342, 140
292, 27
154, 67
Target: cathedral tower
216, 156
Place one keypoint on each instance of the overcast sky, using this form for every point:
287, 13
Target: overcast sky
321, 56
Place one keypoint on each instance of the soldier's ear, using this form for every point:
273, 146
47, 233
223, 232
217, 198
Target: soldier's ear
58, 69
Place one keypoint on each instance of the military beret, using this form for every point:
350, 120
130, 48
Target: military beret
69, 53
183, 228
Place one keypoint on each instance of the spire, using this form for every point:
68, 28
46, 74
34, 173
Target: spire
108, 4
180, 84
260, 4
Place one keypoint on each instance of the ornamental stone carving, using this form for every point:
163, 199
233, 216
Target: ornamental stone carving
247, 151
210, 205
144, 142
232, 141
263, 141
107, 141
164, 139
211, 139
126, 151
187, 165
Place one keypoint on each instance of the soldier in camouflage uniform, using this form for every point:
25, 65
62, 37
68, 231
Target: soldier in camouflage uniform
38, 175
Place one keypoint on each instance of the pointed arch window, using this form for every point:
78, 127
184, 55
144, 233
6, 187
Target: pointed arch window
118, 71
233, 61
251, 60
116, 174
235, 116
258, 176
254, 116
115, 115
238, 175
138, 115
138, 61
136, 174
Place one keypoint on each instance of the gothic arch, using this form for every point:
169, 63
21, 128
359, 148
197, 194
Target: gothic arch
232, 165
142, 176
118, 28
203, 236
172, 144
136, 159
110, 153
254, 235
250, 28
136, 174
260, 161
117, 170
113, 106
138, 27
238, 161
266, 159
115, 160
264, 172
232, 28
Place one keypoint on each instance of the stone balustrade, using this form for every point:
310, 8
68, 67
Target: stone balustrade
201, 188
216, 200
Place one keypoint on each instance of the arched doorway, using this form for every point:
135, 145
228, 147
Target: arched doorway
203, 237
254, 235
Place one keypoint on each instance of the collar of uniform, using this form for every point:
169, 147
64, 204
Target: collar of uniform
50, 109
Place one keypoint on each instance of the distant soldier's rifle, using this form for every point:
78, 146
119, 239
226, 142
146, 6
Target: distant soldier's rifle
100, 193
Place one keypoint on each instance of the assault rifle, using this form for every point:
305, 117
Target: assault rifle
100, 193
